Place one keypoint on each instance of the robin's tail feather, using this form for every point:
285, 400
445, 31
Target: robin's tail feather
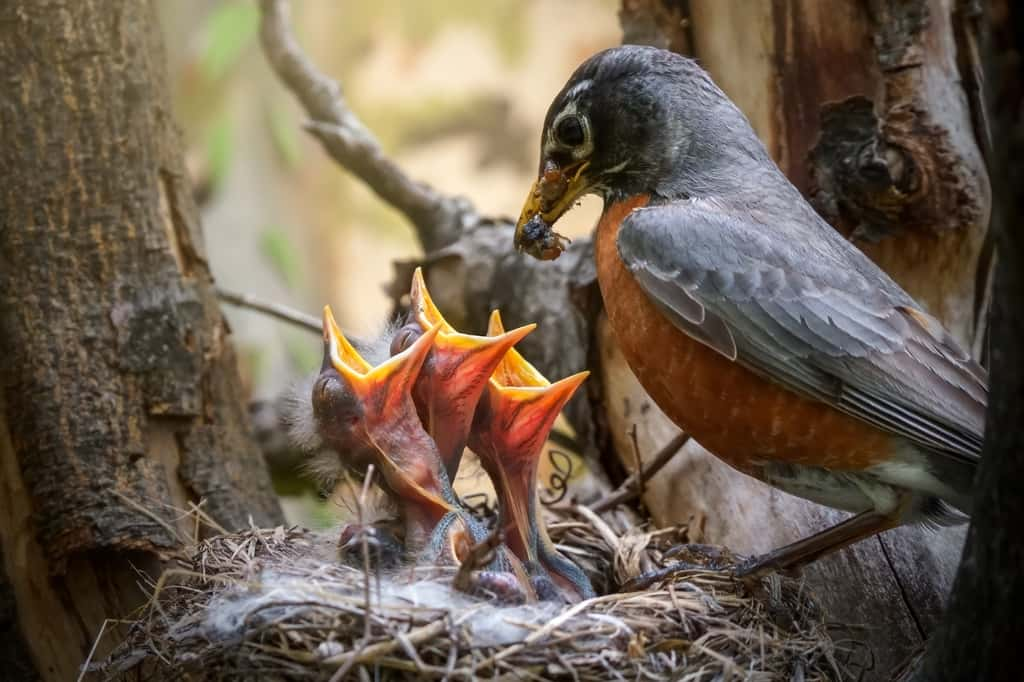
937, 513
957, 476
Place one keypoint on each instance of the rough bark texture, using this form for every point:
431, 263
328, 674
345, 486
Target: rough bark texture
119, 396
662, 23
862, 107
981, 635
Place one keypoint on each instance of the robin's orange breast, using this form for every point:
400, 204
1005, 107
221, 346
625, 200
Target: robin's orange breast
739, 416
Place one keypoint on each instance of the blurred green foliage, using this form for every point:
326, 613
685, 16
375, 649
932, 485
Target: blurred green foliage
230, 29
220, 146
280, 253
284, 133
420, 22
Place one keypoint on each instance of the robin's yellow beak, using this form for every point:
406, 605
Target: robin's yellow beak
553, 193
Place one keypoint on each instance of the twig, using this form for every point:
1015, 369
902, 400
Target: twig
92, 651
175, 532
638, 462
281, 312
416, 636
438, 219
628, 490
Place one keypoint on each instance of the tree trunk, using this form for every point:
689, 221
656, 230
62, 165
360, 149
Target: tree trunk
979, 637
862, 106
120, 401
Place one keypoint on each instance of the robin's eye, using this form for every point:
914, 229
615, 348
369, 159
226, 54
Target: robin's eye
569, 132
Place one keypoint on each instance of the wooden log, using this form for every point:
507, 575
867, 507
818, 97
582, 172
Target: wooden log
120, 401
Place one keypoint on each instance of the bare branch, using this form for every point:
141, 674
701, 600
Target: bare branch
439, 219
633, 485
281, 312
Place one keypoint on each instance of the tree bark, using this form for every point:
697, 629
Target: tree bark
862, 106
120, 401
983, 627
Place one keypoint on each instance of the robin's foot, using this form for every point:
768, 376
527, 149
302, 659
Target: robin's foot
710, 557
752, 569
695, 558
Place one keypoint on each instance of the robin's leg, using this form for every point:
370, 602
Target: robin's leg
788, 557
809, 549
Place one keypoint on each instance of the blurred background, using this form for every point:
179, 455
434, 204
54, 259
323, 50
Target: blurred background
456, 91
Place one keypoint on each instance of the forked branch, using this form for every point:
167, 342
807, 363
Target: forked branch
439, 219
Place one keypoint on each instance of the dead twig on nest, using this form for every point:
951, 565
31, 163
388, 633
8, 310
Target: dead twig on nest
631, 487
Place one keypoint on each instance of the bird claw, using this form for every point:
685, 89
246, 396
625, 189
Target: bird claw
698, 559
708, 556
709, 559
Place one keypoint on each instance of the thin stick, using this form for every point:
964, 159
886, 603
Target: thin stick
281, 312
628, 490
88, 659
417, 635
638, 462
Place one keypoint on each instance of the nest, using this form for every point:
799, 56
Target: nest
277, 604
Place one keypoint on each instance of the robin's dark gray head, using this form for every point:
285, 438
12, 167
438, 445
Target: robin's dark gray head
637, 120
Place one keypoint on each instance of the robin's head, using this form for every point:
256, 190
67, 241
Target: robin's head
634, 120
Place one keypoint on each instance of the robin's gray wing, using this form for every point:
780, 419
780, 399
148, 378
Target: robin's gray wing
822, 321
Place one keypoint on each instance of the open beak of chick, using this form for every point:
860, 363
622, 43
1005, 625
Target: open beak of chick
512, 424
381, 417
454, 374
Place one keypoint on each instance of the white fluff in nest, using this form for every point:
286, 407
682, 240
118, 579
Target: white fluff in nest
279, 596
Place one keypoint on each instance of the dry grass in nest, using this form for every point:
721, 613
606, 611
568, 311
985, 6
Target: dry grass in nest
276, 604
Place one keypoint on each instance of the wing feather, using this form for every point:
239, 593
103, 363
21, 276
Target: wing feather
839, 332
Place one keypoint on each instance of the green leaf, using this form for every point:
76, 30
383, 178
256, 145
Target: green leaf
231, 27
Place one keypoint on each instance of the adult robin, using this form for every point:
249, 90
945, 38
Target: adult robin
510, 422
754, 325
